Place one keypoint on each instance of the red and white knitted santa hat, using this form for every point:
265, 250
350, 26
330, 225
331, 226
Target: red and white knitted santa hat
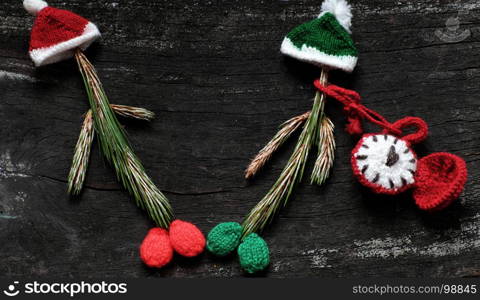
56, 33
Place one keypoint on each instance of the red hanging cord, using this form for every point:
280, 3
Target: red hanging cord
355, 110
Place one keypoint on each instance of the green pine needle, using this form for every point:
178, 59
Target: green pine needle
78, 171
76, 177
133, 112
118, 151
326, 151
286, 129
280, 192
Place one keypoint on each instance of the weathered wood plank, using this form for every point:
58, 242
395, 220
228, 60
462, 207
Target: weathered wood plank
212, 72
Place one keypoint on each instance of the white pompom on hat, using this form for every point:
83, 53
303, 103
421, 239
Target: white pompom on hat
34, 6
341, 10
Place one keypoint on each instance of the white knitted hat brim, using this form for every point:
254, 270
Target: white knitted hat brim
312, 55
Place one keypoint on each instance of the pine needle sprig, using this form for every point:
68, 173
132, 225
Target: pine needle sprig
326, 152
133, 112
76, 177
286, 129
118, 151
78, 170
280, 192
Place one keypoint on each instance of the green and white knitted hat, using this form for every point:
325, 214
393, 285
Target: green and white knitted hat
325, 41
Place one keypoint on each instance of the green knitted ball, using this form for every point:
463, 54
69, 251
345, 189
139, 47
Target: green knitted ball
224, 238
253, 253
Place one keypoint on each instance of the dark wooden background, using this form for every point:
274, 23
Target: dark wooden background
213, 74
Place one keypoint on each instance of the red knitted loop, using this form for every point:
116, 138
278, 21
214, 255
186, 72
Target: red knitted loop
354, 110
156, 250
419, 124
186, 238
440, 179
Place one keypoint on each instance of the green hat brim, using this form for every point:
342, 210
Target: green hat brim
323, 42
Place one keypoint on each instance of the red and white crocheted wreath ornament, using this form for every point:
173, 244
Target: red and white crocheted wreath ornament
386, 163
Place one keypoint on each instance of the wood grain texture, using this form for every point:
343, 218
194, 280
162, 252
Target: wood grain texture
213, 74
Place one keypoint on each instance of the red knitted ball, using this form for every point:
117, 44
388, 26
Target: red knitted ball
186, 238
156, 250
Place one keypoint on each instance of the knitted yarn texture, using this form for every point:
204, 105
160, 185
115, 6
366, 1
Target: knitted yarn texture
385, 162
159, 244
341, 10
53, 26
56, 33
440, 180
186, 239
323, 41
253, 253
156, 250
224, 238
